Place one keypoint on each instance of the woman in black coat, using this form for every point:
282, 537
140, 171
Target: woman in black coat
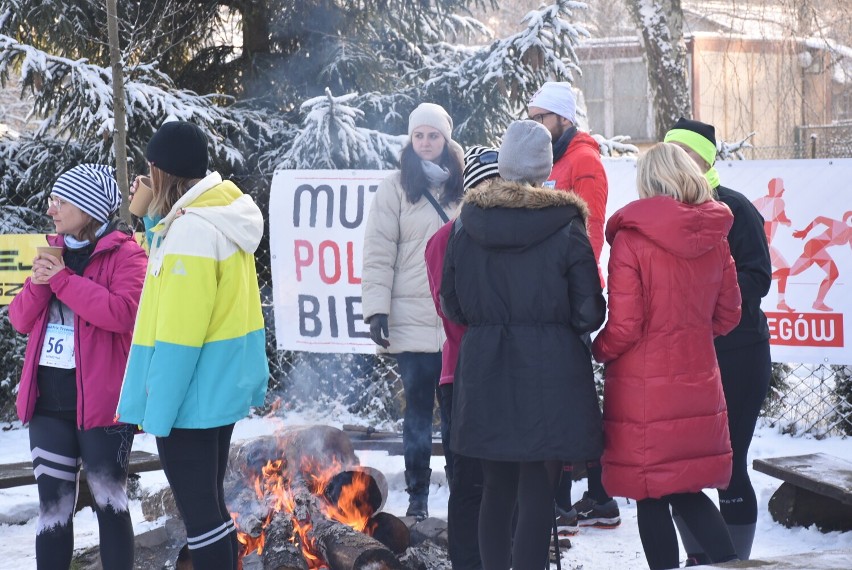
520, 273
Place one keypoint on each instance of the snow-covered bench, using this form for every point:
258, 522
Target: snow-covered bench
368, 438
18, 474
817, 489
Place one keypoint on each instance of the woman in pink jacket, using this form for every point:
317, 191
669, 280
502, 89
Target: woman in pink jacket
78, 309
672, 289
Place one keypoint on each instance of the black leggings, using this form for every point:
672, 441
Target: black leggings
657, 530
465, 479
746, 372
58, 449
194, 461
530, 485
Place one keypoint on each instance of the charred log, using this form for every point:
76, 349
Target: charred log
344, 548
392, 532
296, 447
279, 551
339, 545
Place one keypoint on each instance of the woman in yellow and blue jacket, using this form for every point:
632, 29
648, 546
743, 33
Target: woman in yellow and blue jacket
197, 361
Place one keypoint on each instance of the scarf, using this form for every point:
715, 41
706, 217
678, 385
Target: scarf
73, 243
561, 144
435, 173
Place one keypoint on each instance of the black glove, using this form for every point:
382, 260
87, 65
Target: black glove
379, 329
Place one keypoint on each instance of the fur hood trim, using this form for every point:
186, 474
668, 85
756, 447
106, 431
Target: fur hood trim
504, 194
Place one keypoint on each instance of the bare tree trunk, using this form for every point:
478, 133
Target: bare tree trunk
661, 25
120, 129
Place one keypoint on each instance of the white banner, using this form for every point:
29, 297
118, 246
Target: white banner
317, 221
807, 206
316, 228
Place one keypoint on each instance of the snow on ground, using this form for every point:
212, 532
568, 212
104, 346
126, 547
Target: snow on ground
593, 549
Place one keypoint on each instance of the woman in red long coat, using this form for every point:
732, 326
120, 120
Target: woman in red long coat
672, 289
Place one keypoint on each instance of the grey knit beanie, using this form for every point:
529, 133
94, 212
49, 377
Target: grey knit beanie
526, 154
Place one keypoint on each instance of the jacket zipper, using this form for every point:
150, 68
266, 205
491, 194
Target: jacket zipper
78, 354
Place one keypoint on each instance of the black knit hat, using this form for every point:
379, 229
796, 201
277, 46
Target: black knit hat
703, 129
698, 136
180, 149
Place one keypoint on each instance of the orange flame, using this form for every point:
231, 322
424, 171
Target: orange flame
351, 508
274, 488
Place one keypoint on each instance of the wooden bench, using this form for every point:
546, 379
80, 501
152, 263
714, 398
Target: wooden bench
18, 474
364, 437
817, 489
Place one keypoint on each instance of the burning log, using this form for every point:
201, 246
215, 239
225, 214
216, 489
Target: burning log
297, 447
318, 447
371, 486
280, 552
344, 548
314, 500
338, 544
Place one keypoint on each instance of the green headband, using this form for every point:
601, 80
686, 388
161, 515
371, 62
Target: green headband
704, 148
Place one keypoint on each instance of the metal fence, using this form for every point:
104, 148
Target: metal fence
812, 400
804, 399
824, 141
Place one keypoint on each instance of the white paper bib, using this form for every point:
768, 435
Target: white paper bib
58, 348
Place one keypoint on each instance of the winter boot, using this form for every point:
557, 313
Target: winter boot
417, 485
742, 535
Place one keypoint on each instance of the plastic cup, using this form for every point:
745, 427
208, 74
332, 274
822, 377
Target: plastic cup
142, 197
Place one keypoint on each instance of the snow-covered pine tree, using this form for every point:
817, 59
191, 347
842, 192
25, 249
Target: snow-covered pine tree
261, 61
273, 83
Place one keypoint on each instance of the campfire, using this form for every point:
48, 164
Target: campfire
301, 501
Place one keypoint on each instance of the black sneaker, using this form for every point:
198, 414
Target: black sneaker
600, 515
566, 522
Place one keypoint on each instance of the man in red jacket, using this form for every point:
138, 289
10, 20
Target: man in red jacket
577, 168
577, 163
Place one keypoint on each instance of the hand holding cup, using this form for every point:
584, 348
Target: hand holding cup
141, 195
47, 263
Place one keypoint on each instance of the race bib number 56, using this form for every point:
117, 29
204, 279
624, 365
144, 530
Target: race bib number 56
58, 348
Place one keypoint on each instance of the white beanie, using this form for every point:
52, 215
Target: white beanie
526, 154
556, 97
431, 115
90, 187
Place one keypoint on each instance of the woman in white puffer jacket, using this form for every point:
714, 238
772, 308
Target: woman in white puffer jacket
410, 205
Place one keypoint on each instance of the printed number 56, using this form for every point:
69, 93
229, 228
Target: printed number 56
54, 347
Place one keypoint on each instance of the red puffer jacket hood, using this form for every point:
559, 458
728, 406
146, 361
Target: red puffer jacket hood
685, 230
672, 287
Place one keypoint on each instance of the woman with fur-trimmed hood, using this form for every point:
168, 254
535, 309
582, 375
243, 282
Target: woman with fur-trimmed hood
520, 273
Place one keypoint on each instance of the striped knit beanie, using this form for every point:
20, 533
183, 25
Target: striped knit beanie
92, 188
480, 164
